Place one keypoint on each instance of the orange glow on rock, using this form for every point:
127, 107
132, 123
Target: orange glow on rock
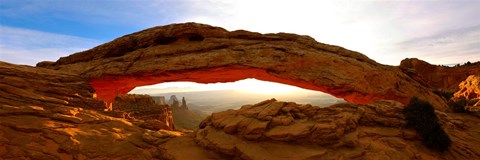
109, 86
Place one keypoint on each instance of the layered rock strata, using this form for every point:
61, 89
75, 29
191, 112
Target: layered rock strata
61, 122
440, 77
285, 130
144, 108
206, 54
48, 114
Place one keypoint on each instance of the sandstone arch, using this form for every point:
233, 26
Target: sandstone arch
202, 53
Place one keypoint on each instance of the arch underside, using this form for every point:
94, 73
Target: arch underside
109, 86
206, 54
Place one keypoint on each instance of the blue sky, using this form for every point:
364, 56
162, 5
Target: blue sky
438, 31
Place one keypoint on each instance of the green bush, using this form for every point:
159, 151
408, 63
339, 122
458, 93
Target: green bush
421, 116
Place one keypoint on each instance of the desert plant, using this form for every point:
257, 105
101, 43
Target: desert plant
421, 116
445, 94
458, 105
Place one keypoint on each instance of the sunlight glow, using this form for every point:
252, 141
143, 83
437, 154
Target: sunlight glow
263, 87
247, 85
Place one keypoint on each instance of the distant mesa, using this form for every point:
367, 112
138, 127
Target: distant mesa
184, 103
207, 54
174, 103
160, 100
173, 100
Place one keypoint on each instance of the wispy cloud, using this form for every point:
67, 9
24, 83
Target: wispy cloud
386, 31
453, 46
24, 46
103, 19
375, 28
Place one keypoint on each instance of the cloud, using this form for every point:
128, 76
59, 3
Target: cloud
374, 28
378, 29
105, 12
448, 47
24, 46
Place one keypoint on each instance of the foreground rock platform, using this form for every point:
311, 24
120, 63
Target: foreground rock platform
285, 130
206, 54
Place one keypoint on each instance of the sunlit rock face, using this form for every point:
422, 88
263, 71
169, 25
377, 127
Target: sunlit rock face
29, 86
49, 114
206, 54
470, 90
440, 77
143, 108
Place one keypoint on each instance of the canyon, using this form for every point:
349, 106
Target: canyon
75, 108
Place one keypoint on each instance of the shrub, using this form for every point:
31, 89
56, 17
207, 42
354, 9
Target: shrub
445, 94
458, 105
421, 116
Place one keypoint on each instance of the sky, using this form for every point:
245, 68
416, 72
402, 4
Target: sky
387, 31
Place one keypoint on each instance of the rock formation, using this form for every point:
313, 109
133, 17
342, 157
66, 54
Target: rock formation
187, 119
284, 130
51, 111
62, 122
144, 108
184, 104
28, 86
48, 114
173, 101
160, 100
469, 89
440, 77
206, 54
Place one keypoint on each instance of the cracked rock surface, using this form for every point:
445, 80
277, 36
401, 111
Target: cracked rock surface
285, 130
47, 114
